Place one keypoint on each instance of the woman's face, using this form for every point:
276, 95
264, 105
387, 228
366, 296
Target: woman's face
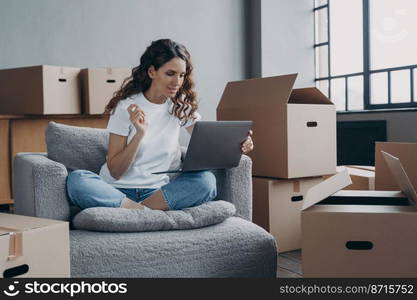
168, 79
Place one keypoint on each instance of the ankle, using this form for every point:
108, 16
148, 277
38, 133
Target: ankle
127, 203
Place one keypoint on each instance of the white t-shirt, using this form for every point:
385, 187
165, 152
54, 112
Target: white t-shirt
159, 149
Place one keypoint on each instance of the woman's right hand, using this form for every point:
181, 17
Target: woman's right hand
137, 117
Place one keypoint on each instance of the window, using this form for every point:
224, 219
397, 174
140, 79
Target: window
365, 53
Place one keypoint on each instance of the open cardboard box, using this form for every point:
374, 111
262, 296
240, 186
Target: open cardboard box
294, 130
277, 208
99, 85
351, 240
33, 247
362, 179
406, 152
40, 90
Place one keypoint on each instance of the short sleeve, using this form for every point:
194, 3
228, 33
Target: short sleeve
191, 122
119, 122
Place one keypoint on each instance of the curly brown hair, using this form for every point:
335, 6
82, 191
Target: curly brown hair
156, 55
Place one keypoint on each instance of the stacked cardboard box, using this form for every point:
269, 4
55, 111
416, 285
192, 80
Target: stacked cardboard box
98, 87
40, 90
56, 90
294, 133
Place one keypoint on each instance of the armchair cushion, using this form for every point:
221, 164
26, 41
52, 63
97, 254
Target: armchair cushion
77, 147
132, 220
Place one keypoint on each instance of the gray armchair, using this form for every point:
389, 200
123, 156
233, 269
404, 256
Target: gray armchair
234, 248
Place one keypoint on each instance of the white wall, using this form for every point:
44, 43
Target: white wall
286, 39
101, 33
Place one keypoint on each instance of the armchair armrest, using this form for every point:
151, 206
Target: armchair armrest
39, 187
235, 185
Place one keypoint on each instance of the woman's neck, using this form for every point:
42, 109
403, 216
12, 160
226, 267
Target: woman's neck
154, 97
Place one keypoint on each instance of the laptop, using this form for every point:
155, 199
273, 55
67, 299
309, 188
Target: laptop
214, 145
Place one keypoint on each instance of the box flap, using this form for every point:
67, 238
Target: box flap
368, 168
309, 95
11, 222
397, 170
260, 92
366, 193
360, 172
326, 188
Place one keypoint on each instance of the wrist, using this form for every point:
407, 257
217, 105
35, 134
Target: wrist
139, 134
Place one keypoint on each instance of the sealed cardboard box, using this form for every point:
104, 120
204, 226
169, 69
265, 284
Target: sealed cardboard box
99, 85
359, 233
277, 208
40, 90
33, 247
294, 129
406, 152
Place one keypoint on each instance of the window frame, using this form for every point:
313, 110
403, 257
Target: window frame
367, 72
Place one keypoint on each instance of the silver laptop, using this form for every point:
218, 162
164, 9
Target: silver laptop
214, 145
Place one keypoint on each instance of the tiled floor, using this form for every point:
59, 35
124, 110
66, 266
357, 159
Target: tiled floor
289, 264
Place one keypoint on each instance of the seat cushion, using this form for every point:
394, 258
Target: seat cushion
130, 220
77, 147
233, 248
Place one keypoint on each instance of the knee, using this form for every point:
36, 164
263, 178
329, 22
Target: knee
76, 179
207, 184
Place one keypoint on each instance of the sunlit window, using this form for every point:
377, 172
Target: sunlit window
365, 53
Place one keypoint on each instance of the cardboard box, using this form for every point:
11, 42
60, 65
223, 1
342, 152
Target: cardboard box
99, 85
406, 152
277, 208
33, 247
40, 90
362, 179
367, 168
351, 240
294, 130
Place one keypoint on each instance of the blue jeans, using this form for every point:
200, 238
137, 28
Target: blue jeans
86, 189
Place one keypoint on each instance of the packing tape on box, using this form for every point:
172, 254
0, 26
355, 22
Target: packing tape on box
109, 71
15, 242
296, 186
15, 245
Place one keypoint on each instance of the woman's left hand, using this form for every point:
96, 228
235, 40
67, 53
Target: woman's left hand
247, 145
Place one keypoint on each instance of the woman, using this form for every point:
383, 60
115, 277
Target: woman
144, 126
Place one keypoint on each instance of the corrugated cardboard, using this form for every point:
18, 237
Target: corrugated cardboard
33, 247
40, 90
406, 152
294, 130
351, 240
277, 207
99, 85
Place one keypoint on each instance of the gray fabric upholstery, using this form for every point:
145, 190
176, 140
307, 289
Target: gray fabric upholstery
76, 147
39, 187
235, 186
131, 220
233, 248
